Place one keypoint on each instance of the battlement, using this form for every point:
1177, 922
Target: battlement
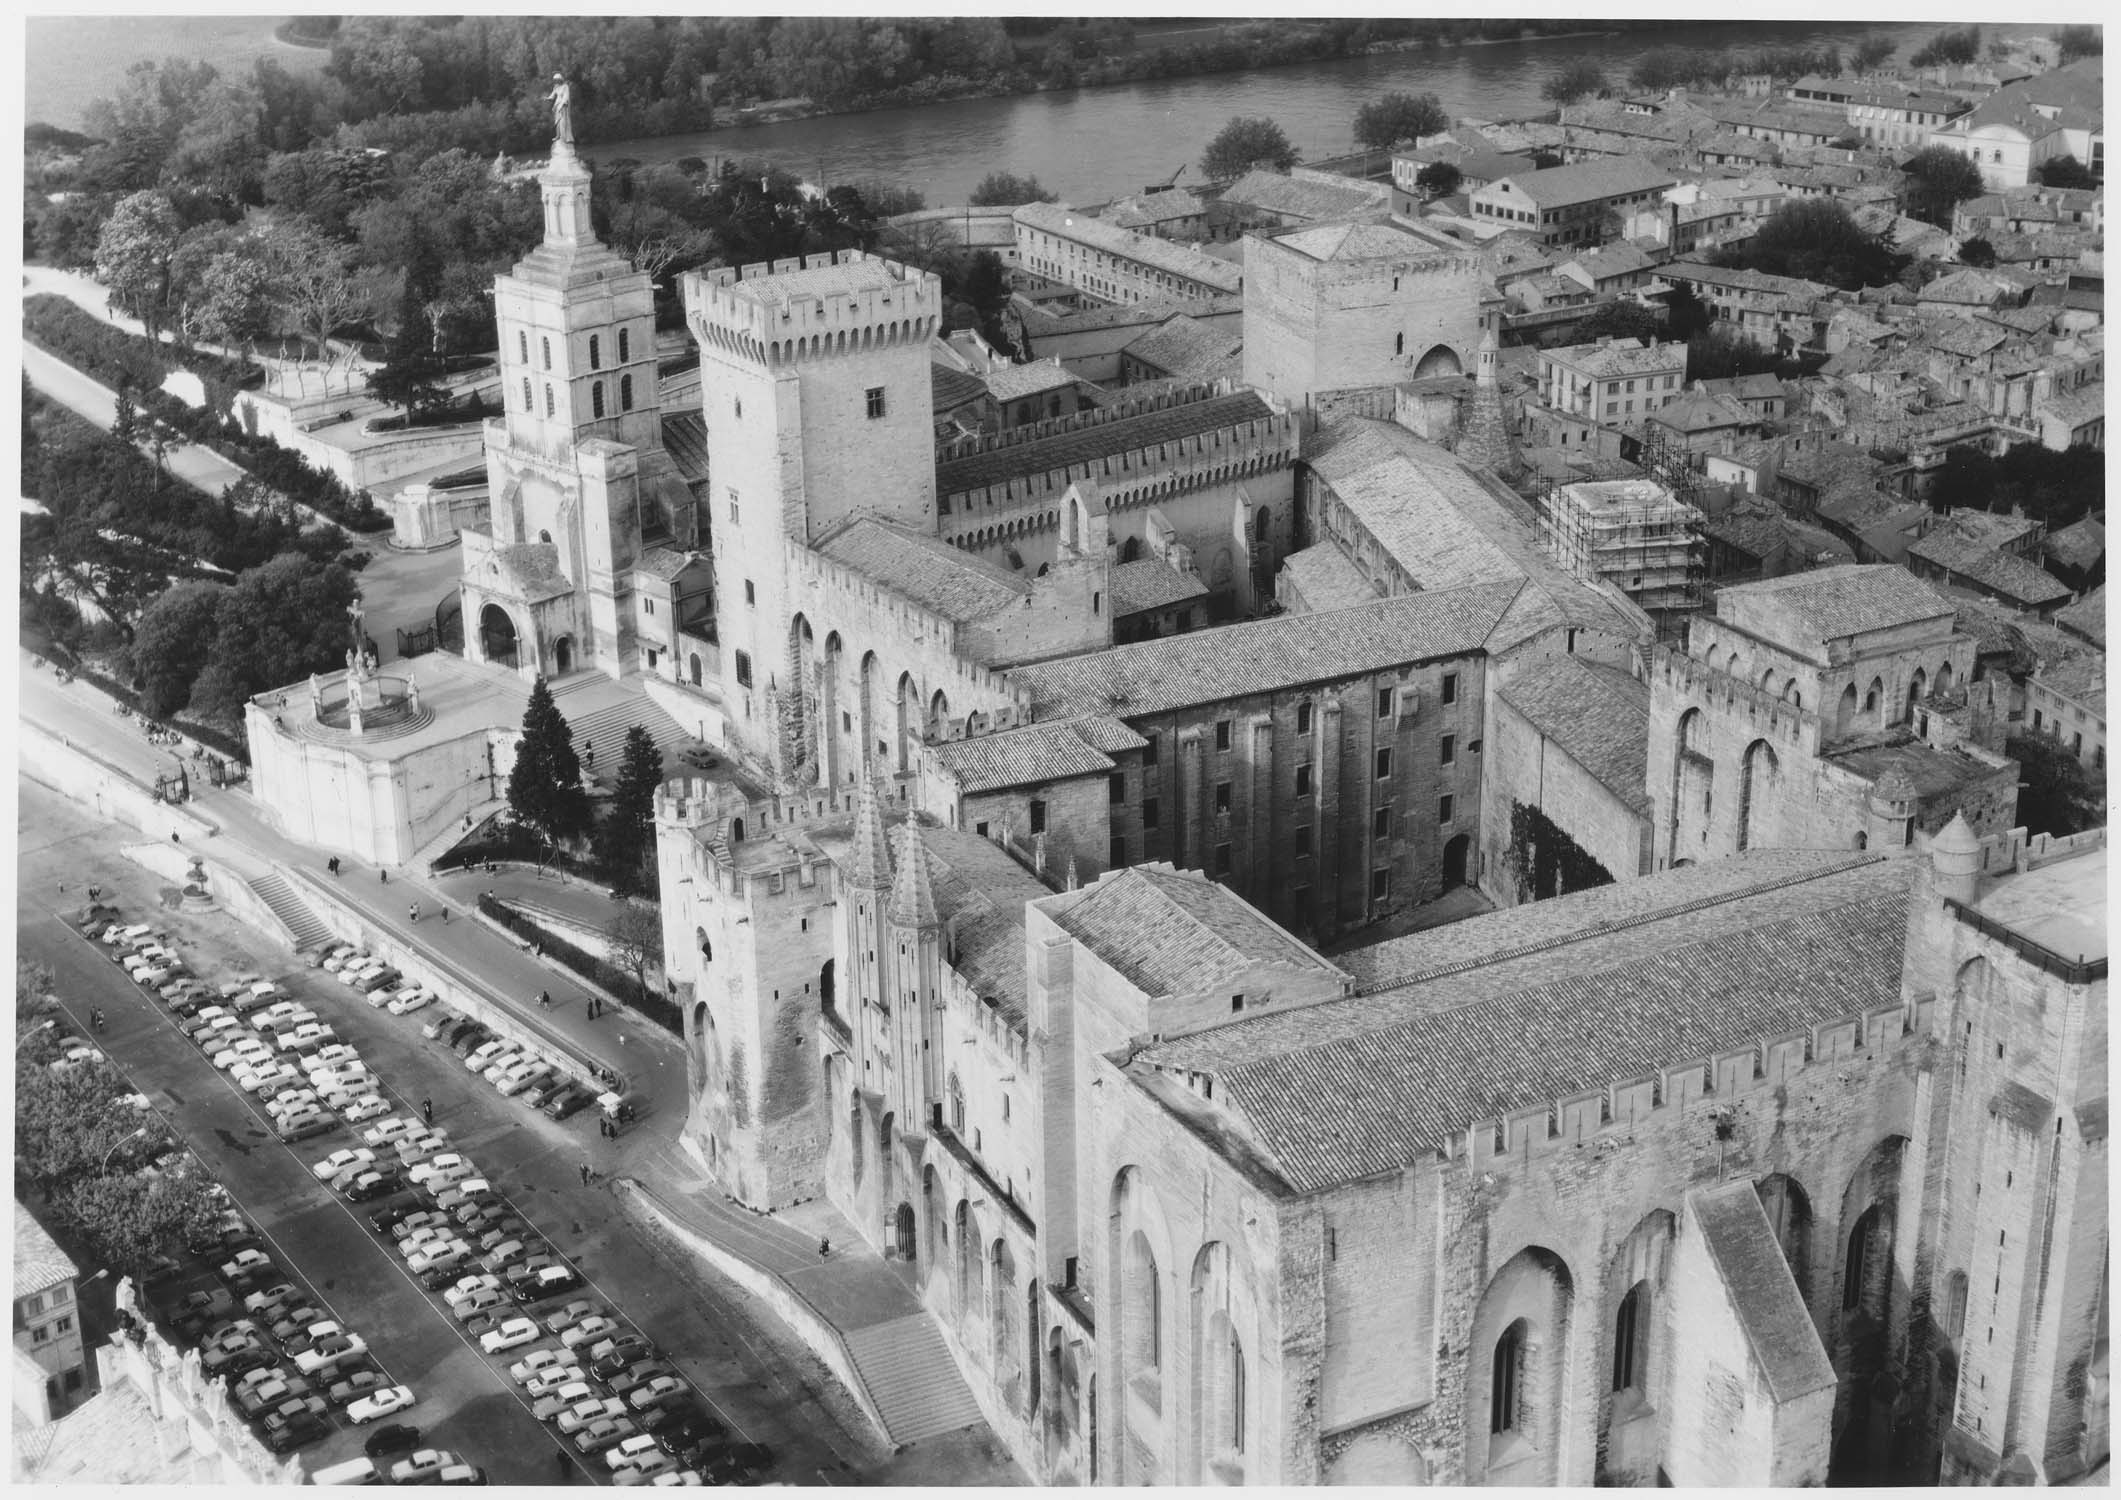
1727, 1079
2017, 851
745, 836
812, 307
1126, 404
1771, 716
1135, 476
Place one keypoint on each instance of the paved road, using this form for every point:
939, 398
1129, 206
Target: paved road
201, 467
716, 1335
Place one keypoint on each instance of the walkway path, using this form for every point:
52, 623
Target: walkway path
98, 404
852, 1288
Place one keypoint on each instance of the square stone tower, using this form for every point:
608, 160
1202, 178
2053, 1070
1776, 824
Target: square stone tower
546, 588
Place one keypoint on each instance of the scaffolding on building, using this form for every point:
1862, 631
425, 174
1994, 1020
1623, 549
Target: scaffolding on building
1643, 536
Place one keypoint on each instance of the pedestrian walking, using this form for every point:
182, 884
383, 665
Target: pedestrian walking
384, 875
824, 1247
566, 1468
445, 916
584, 1169
427, 1110
413, 911
544, 999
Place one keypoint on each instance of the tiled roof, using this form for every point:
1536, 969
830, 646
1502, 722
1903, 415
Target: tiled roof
1620, 358
1617, 259
1350, 1088
1850, 600
2079, 545
1142, 209
1041, 322
1702, 411
950, 388
1266, 656
1150, 583
685, 440
1185, 346
1599, 716
2085, 404
1777, 1326
1960, 288
1301, 198
1586, 181
1097, 440
531, 571
1009, 382
2081, 679
1029, 756
663, 562
1962, 339
1164, 255
2087, 616
1364, 242
2012, 577
930, 572
1176, 931
1325, 577
39, 1262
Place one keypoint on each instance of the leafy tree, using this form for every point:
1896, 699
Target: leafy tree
133, 255
2065, 172
1938, 180
1977, 252
545, 784
125, 424
280, 622
2056, 794
1245, 143
1814, 238
173, 643
1572, 81
1620, 320
2074, 42
323, 185
1399, 118
1439, 179
125, 1219
2056, 489
1872, 51
313, 281
635, 933
1947, 47
236, 297
1006, 188
625, 836
1662, 68
1541, 160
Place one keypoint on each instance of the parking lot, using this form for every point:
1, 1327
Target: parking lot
537, 1242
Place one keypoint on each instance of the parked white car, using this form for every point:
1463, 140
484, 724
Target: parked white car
408, 1001
365, 1107
380, 1404
522, 1076
389, 1131
512, 1334
477, 1058
347, 1156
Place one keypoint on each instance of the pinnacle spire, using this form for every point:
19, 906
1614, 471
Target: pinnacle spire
912, 897
871, 865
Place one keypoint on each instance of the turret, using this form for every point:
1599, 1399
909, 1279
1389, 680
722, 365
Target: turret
915, 939
869, 862
1892, 812
1955, 857
912, 897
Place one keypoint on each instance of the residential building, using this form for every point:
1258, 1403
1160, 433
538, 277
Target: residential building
1173, 214
1892, 114
1613, 380
2066, 701
1111, 264
1262, 199
1579, 204
1992, 555
2023, 124
50, 1369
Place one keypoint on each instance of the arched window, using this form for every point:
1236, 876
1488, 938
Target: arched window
545, 345
596, 398
1631, 1339
1506, 1393
529, 402
625, 346
957, 1104
625, 393
596, 353
548, 398
522, 347
1237, 1395
1862, 1253
1399, 343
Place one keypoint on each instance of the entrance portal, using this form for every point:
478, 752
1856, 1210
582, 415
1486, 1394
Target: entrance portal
497, 636
1454, 861
563, 656
905, 1231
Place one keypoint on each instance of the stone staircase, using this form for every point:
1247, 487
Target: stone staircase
911, 1378
601, 712
304, 927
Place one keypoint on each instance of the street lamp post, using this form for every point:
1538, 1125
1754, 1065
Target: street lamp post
134, 1134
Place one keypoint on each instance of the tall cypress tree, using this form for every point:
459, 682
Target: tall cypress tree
626, 836
545, 784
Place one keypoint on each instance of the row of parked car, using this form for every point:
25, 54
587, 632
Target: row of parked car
289, 1367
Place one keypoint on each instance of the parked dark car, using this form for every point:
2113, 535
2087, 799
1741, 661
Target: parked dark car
298, 1431
388, 1442
470, 1037
566, 1101
628, 1349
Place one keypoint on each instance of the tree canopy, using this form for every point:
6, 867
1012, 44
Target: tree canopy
1939, 179
1953, 45
1573, 80
1815, 239
2065, 172
1439, 179
625, 835
2074, 42
545, 784
2056, 795
1399, 119
999, 188
1246, 143
1871, 51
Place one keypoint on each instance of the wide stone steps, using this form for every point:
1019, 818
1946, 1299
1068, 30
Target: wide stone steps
303, 925
606, 729
911, 1377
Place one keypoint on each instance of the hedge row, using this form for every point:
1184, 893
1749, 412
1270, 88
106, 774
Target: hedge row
499, 839
616, 980
117, 359
232, 747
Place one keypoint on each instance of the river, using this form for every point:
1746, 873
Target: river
1086, 144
